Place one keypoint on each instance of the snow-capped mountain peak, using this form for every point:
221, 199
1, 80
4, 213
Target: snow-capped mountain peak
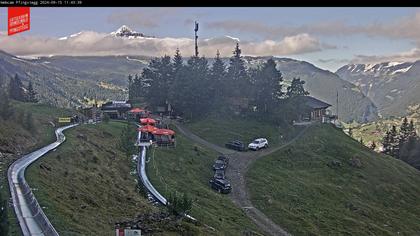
125, 31
376, 70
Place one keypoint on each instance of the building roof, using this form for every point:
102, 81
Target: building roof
314, 103
119, 105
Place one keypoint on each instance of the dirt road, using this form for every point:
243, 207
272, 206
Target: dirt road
239, 164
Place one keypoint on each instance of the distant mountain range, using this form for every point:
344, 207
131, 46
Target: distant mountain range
323, 84
66, 80
392, 86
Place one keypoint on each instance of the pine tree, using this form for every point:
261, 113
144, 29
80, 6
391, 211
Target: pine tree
296, 88
218, 80
412, 130
361, 141
394, 141
178, 62
268, 83
238, 82
404, 131
386, 143
351, 132
31, 93
178, 75
157, 81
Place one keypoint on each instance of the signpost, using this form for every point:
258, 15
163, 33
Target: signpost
64, 119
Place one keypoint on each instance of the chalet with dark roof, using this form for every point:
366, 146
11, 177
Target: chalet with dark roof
314, 109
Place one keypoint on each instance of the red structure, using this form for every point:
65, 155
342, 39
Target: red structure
147, 121
147, 129
138, 113
164, 137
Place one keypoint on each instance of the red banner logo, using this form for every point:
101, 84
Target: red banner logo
18, 19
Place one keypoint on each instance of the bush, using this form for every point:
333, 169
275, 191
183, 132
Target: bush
179, 205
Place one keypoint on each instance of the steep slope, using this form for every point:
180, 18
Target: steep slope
58, 85
328, 184
16, 139
323, 84
392, 86
86, 190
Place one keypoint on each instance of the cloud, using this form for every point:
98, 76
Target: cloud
142, 17
324, 28
401, 28
100, 44
297, 44
409, 56
334, 61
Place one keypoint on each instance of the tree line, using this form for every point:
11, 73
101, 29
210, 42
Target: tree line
15, 90
195, 88
403, 143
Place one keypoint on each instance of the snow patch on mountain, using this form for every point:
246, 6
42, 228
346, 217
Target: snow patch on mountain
403, 70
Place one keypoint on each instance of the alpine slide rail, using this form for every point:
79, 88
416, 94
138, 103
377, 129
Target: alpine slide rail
31, 217
29, 213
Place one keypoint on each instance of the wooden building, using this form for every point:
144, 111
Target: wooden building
313, 110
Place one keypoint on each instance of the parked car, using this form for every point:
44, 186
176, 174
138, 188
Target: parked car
224, 158
219, 165
236, 145
219, 174
221, 185
258, 143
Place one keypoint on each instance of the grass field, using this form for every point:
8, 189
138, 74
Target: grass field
220, 131
85, 185
298, 190
187, 169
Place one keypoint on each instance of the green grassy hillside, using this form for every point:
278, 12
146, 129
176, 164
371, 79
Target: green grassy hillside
222, 130
297, 189
16, 139
187, 169
85, 185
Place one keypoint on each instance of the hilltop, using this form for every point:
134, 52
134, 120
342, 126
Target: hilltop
327, 183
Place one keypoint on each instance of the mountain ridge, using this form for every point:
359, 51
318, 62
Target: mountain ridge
392, 86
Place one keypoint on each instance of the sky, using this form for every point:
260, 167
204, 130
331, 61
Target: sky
326, 37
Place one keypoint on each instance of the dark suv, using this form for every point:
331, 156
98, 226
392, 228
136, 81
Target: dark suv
219, 165
221, 185
236, 145
223, 158
219, 174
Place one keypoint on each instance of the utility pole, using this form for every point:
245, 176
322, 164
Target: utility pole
196, 38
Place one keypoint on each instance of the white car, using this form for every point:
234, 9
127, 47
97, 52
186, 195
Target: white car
258, 144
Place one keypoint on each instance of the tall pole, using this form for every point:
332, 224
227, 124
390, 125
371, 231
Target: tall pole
196, 37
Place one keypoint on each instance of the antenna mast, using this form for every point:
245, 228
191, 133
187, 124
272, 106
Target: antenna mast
196, 37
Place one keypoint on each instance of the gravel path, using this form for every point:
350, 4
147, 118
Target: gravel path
239, 164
